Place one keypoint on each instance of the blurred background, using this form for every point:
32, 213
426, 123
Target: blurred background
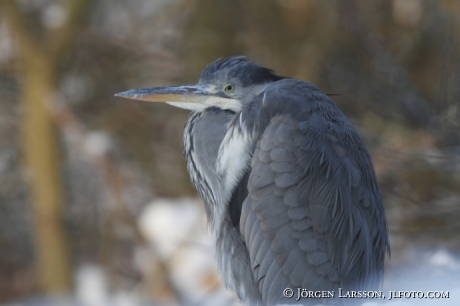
96, 207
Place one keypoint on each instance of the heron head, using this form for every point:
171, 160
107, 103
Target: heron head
226, 83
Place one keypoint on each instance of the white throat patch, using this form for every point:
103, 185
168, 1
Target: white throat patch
222, 103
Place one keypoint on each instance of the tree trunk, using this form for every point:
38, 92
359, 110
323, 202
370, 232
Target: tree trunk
39, 57
42, 161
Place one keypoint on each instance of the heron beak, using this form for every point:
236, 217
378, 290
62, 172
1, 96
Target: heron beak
187, 93
192, 97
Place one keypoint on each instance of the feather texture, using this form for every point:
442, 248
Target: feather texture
302, 209
320, 214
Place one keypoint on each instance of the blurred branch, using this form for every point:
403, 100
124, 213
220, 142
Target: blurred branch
60, 39
17, 22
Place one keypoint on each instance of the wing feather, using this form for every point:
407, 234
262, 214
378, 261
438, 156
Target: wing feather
314, 215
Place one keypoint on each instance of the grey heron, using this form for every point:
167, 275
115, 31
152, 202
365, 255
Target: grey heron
288, 185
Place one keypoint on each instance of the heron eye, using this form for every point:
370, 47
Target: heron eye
229, 87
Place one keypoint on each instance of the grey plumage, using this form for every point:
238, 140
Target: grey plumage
288, 185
